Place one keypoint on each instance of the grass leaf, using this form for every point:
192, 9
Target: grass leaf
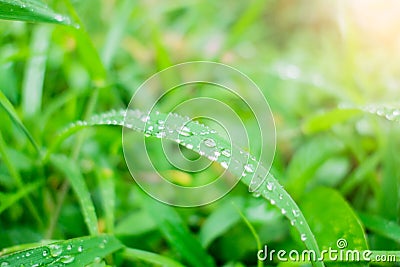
381, 226
220, 221
73, 174
7, 200
177, 234
267, 186
76, 252
331, 218
145, 256
30, 10
13, 115
325, 121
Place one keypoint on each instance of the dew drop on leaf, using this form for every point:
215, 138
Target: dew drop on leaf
67, 259
226, 153
224, 165
270, 186
296, 213
249, 168
303, 237
55, 250
209, 142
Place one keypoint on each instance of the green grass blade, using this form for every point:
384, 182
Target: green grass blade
177, 234
32, 88
306, 161
325, 121
116, 32
152, 258
76, 252
7, 200
30, 10
13, 115
74, 176
142, 221
269, 188
220, 221
105, 179
252, 230
381, 226
332, 218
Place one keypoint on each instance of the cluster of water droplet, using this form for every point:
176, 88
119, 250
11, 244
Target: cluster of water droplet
389, 112
55, 251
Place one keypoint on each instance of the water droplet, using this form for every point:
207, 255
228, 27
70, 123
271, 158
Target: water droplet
296, 213
67, 259
226, 153
283, 211
224, 165
4, 264
280, 196
293, 222
59, 18
45, 253
270, 186
184, 131
97, 260
303, 237
249, 168
272, 202
102, 245
145, 118
80, 249
256, 194
209, 142
55, 250
161, 122
69, 247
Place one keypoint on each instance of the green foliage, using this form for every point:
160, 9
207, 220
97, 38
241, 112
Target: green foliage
30, 10
330, 86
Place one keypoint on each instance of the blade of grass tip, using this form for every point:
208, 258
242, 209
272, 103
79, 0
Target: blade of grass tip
152, 258
75, 252
252, 230
32, 85
13, 115
18, 180
71, 171
31, 11
267, 185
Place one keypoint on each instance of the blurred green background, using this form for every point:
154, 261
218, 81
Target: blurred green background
316, 62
